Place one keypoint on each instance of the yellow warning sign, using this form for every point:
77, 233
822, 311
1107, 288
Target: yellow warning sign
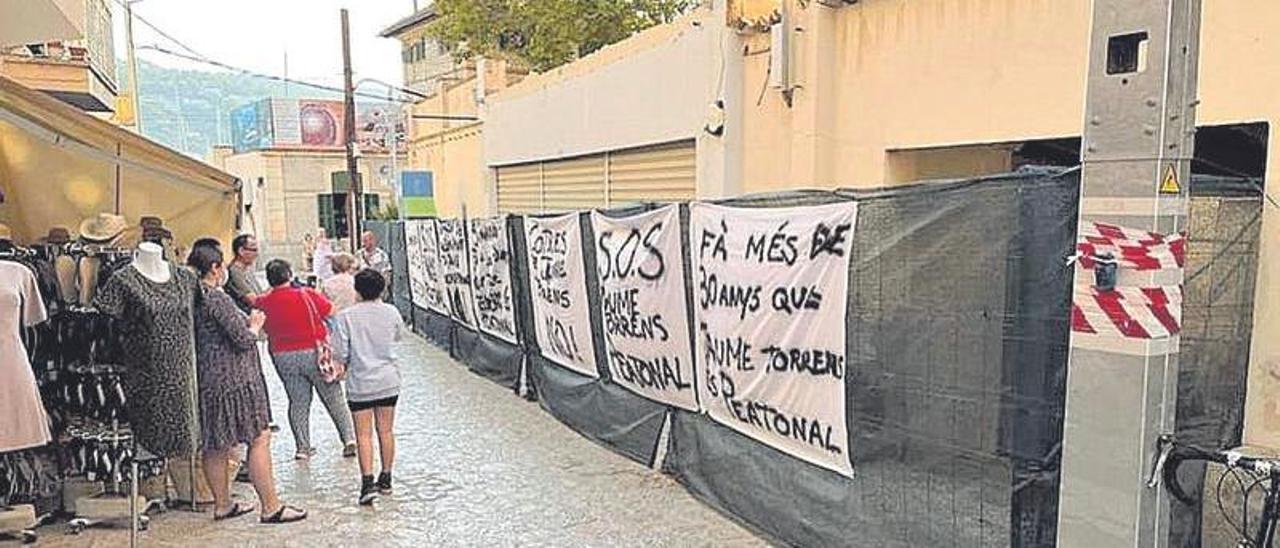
1169, 184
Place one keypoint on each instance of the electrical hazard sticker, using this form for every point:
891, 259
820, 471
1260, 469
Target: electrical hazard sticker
1169, 183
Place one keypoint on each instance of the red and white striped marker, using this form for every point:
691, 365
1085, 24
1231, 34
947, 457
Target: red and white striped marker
1131, 312
1127, 311
1133, 249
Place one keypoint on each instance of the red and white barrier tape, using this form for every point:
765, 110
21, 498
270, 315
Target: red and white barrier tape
1131, 312
1133, 249
1127, 311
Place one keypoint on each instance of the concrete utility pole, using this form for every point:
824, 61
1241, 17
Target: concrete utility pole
1122, 382
349, 129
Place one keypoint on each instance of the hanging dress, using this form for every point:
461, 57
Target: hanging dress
157, 339
23, 422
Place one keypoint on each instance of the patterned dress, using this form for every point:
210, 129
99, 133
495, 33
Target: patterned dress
234, 406
157, 338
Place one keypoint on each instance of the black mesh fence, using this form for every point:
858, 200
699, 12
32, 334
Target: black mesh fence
1217, 324
958, 320
957, 334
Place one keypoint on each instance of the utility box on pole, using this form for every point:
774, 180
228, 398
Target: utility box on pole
1122, 384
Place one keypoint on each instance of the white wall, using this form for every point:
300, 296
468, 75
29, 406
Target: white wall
655, 87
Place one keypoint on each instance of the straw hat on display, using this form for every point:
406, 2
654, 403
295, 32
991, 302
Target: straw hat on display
103, 228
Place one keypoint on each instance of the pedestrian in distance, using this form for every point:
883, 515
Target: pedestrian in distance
299, 344
322, 265
309, 251
341, 287
374, 258
234, 407
363, 338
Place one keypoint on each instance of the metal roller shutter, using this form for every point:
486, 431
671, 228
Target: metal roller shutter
520, 188
660, 173
664, 173
571, 185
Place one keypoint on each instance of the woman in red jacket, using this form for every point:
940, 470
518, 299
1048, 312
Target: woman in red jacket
295, 329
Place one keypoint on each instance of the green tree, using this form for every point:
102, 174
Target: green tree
543, 34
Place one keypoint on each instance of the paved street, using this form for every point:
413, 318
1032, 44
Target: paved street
477, 467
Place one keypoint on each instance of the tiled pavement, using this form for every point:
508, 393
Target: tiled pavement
477, 466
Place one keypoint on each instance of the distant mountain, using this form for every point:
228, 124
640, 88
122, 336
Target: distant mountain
188, 110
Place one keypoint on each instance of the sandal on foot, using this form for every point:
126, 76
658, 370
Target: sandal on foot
236, 511
349, 450
286, 514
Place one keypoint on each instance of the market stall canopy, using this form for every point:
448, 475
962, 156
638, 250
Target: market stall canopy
59, 165
39, 21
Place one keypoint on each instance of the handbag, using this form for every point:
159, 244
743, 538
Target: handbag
331, 371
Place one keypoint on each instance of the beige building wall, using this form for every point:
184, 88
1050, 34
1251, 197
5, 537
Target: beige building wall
889, 75
453, 150
919, 164
455, 158
284, 185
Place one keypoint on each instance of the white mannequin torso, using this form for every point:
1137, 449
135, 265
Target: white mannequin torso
149, 261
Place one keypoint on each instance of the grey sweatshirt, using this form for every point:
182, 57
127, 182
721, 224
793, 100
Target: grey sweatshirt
362, 338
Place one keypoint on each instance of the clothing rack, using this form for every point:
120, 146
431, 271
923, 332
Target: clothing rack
93, 249
15, 253
80, 369
112, 506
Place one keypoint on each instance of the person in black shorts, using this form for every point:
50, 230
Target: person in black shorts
363, 338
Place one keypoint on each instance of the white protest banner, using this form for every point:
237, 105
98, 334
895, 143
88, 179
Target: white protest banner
455, 271
491, 277
413, 253
640, 270
770, 291
424, 267
431, 266
558, 281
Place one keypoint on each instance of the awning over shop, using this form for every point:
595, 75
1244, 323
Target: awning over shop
59, 165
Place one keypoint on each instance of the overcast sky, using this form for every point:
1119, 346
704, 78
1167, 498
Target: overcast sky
254, 34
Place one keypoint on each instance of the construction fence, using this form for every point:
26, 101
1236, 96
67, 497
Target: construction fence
829, 368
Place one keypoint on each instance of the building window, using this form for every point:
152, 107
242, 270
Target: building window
332, 209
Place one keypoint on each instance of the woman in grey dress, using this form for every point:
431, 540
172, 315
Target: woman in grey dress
234, 406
